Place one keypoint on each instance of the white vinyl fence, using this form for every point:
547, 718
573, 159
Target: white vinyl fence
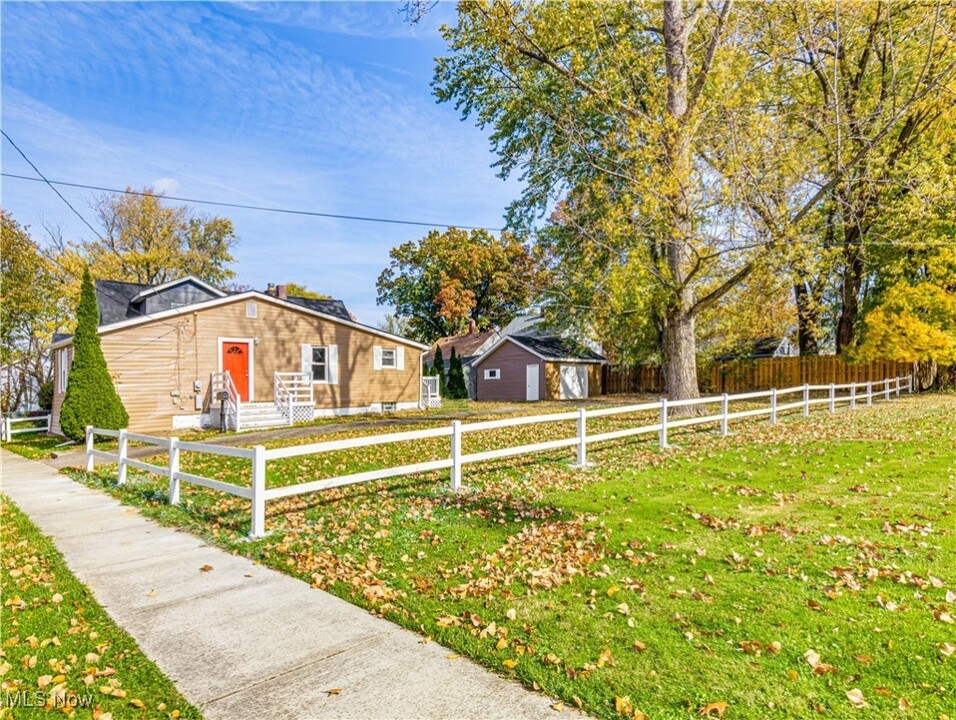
7, 430
849, 393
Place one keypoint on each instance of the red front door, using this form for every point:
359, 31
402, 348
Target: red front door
235, 361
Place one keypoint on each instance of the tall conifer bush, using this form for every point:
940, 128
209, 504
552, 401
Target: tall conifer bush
91, 398
438, 368
457, 390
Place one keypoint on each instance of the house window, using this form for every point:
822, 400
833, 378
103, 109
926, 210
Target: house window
63, 368
252, 310
320, 364
389, 358
389, 406
494, 374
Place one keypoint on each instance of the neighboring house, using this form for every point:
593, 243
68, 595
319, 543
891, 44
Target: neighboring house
526, 367
468, 347
172, 349
769, 347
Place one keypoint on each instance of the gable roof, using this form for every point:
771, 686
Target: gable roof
466, 346
761, 348
247, 295
114, 298
324, 305
192, 279
548, 347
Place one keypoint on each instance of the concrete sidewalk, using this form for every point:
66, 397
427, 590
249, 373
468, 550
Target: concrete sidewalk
242, 641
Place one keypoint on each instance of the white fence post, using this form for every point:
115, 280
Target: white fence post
909, 384
886, 388
456, 455
5, 430
869, 392
806, 400
773, 406
582, 439
121, 467
852, 396
897, 387
258, 491
723, 414
89, 448
663, 431
49, 422
174, 471
832, 398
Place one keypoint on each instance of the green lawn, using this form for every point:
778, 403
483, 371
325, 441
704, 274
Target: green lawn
58, 642
790, 571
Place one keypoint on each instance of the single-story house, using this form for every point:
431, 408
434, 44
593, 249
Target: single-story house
527, 367
181, 351
768, 347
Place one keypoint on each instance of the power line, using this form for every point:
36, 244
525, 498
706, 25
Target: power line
241, 206
43, 178
76, 212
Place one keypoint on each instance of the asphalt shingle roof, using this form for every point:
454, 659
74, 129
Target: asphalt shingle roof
555, 347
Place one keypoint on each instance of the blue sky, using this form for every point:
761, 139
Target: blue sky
317, 106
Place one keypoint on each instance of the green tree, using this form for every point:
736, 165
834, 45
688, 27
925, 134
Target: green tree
31, 310
446, 278
672, 125
146, 240
91, 398
438, 368
297, 290
457, 389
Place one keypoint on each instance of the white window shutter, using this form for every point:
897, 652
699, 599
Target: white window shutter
377, 357
400, 357
307, 360
333, 363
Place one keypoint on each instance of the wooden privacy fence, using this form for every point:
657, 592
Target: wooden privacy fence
7, 430
762, 374
258, 456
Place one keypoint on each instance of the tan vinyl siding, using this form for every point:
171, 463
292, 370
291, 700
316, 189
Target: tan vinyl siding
154, 364
512, 386
553, 375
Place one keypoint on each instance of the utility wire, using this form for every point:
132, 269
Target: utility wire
43, 178
241, 206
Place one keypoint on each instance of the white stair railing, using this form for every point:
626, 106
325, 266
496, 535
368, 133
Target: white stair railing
294, 390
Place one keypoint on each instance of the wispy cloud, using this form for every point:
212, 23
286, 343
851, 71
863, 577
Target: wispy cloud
232, 109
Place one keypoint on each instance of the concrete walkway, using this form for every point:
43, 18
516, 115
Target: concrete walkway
242, 641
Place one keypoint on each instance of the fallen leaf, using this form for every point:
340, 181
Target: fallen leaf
904, 704
510, 664
623, 705
855, 696
714, 708
558, 706
137, 703
205, 568
946, 649
639, 646
511, 614
333, 692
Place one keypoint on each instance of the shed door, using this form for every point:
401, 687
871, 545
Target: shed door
574, 382
531, 383
235, 361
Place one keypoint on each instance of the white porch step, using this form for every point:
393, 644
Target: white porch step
256, 415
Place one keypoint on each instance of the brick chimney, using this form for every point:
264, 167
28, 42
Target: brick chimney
281, 292
472, 327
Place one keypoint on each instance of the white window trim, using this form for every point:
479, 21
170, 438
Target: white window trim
394, 363
252, 310
252, 361
496, 376
311, 352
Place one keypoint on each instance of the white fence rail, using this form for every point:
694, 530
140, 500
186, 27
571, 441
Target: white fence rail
7, 430
258, 456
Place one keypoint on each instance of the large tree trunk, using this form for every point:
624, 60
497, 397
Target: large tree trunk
805, 295
850, 293
680, 344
